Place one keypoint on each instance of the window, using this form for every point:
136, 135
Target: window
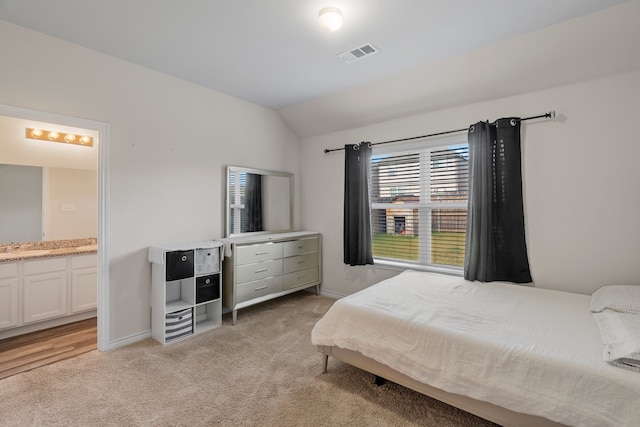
237, 185
424, 224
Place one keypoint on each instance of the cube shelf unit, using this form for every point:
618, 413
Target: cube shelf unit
186, 291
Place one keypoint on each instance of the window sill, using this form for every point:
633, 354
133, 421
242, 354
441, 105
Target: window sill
399, 265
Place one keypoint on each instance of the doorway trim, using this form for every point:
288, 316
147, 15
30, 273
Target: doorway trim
103, 202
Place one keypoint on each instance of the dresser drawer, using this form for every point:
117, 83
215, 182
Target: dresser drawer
300, 262
300, 247
256, 253
300, 278
259, 270
259, 288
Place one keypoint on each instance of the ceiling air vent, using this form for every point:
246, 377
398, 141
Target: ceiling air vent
357, 53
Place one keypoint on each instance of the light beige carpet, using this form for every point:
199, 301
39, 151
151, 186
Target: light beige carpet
263, 372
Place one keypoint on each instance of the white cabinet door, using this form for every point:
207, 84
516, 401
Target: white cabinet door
84, 283
45, 296
84, 292
8, 303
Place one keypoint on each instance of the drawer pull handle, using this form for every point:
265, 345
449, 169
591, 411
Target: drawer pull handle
260, 288
262, 271
302, 277
262, 253
302, 262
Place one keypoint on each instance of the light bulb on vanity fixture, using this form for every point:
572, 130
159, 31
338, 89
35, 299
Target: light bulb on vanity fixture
54, 136
330, 19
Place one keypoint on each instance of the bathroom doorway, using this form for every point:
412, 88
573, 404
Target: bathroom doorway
100, 132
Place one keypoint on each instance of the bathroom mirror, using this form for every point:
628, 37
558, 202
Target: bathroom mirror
258, 201
42, 203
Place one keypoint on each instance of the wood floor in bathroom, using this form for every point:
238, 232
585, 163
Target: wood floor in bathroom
29, 351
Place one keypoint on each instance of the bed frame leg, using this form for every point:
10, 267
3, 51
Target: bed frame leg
379, 381
325, 361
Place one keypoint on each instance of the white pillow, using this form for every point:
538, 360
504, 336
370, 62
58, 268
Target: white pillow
621, 298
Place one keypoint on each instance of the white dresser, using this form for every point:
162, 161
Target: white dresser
259, 268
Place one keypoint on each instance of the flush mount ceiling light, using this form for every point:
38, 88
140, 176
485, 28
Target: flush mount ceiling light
330, 19
51, 135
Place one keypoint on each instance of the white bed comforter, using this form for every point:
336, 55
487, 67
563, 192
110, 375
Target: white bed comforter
530, 350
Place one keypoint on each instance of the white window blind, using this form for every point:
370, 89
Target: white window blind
237, 186
419, 205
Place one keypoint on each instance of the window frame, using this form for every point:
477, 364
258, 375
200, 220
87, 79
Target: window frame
424, 147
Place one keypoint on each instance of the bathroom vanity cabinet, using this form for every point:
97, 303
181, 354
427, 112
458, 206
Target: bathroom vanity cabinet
40, 293
84, 276
9, 288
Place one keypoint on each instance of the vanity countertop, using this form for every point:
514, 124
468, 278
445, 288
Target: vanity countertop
47, 249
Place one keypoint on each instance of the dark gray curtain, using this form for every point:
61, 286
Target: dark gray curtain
253, 203
357, 216
495, 248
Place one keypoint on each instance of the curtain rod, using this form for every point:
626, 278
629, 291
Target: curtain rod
549, 115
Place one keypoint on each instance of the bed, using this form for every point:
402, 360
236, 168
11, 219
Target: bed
515, 355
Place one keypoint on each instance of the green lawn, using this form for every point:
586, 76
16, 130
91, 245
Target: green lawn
446, 247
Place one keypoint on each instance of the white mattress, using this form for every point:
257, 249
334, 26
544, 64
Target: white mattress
531, 350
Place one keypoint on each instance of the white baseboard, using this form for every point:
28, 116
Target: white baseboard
325, 293
121, 342
331, 294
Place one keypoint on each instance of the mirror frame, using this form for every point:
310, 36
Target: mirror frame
236, 169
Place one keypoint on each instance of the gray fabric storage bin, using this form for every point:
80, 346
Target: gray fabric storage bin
207, 261
179, 324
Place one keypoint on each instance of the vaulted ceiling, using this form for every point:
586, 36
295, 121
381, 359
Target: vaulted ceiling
432, 53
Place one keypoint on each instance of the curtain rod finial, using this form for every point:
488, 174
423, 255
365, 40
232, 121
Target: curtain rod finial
552, 114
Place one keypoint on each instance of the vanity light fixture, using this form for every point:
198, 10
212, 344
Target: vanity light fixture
330, 19
52, 135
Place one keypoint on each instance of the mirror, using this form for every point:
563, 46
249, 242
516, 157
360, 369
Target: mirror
42, 203
21, 208
258, 201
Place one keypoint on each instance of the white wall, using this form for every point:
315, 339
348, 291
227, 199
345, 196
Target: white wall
581, 180
71, 204
169, 143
